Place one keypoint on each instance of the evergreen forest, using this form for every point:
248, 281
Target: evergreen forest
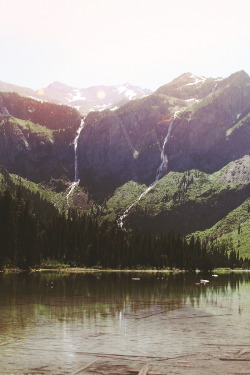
29, 239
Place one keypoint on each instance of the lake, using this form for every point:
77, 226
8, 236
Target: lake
113, 323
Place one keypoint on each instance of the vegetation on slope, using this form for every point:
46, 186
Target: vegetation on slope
52, 116
79, 240
187, 202
234, 227
30, 127
42, 201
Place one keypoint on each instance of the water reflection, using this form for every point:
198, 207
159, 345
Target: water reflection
72, 296
112, 313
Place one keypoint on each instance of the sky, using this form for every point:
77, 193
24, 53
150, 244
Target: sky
148, 43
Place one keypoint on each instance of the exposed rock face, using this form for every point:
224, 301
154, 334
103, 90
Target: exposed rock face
211, 128
202, 138
188, 87
32, 154
36, 138
209, 131
237, 172
124, 145
4, 113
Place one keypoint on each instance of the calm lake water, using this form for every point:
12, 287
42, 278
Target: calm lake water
50, 321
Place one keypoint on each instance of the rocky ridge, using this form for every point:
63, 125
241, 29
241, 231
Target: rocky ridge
207, 134
85, 100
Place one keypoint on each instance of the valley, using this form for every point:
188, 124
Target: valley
177, 159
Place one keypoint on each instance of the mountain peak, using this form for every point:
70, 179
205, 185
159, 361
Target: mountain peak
241, 77
56, 85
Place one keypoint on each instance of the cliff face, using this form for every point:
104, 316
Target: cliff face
36, 138
188, 87
201, 123
215, 131
210, 129
32, 151
124, 145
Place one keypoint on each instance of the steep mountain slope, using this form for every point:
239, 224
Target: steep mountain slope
45, 199
36, 138
186, 202
189, 87
214, 131
53, 116
8, 87
191, 139
205, 122
124, 145
234, 227
44, 202
206, 133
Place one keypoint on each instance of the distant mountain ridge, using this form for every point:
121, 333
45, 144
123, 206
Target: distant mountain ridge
95, 98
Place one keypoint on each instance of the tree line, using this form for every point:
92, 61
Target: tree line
51, 115
27, 239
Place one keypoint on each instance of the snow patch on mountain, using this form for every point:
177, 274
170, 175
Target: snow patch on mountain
100, 108
197, 80
128, 93
192, 100
38, 100
75, 95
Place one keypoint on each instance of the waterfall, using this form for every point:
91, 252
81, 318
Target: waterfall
164, 159
162, 168
75, 148
126, 212
75, 143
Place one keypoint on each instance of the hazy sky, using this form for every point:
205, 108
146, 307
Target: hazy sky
144, 42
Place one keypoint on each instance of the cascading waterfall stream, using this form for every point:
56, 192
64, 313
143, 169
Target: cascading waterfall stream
164, 158
76, 179
163, 167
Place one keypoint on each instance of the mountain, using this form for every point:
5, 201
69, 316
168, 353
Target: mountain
212, 205
205, 134
175, 159
96, 98
204, 198
190, 87
8, 87
36, 138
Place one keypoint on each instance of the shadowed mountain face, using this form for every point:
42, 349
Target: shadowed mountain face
210, 129
192, 122
36, 138
176, 159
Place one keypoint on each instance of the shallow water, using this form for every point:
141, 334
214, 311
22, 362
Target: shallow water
51, 323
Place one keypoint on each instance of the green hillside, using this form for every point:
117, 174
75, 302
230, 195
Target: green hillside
43, 201
30, 127
189, 202
235, 227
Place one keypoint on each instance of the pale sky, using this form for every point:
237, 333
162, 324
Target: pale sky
145, 42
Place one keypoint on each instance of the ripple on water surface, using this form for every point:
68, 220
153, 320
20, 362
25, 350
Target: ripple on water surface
55, 323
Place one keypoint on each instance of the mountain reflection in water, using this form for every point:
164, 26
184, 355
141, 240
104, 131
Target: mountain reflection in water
159, 314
